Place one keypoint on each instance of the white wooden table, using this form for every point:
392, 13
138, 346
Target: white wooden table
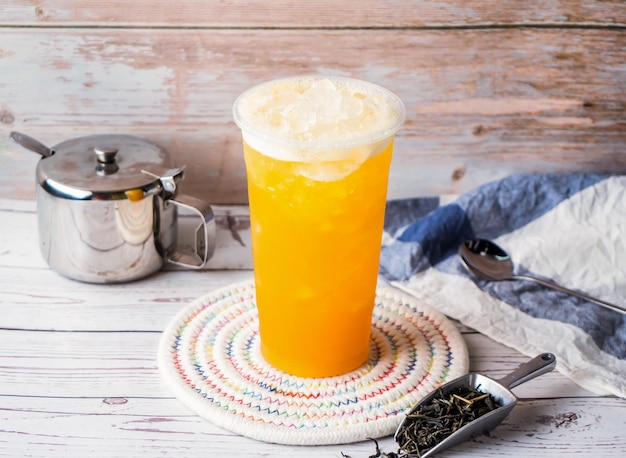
79, 375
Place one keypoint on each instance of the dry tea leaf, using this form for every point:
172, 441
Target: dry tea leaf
433, 422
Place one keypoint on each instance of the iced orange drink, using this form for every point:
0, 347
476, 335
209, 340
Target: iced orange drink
317, 153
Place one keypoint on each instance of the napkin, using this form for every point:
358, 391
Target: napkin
567, 228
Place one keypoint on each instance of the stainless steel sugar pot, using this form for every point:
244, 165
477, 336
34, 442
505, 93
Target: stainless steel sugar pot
107, 209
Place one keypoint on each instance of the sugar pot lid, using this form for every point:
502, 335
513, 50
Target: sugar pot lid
103, 167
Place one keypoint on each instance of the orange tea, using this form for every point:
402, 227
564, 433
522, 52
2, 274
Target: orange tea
317, 154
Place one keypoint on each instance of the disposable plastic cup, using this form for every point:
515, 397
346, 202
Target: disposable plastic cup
317, 151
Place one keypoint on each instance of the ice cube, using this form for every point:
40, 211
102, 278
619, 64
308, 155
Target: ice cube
351, 107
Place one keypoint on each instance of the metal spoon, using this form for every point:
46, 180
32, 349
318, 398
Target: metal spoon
30, 143
498, 389
487, 260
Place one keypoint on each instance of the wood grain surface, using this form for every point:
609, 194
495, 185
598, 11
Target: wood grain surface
322, 13
79, 373
491, 88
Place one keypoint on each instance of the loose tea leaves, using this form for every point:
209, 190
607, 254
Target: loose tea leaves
379, 453
433, 422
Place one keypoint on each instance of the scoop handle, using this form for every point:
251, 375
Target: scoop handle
537, 366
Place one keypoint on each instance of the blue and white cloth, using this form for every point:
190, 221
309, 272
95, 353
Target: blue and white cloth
568, 228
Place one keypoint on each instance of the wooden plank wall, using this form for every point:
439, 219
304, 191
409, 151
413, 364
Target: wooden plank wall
492, 87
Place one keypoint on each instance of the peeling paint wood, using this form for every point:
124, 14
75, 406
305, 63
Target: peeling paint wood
79, 373
322, 13
87, 392
481, 103
122, 362
149, 427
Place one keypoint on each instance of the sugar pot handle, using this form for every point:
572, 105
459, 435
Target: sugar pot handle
204, 240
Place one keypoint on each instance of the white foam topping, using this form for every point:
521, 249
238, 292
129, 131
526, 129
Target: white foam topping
314, 118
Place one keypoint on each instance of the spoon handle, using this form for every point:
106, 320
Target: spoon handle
537, 366
549, 284
30, 143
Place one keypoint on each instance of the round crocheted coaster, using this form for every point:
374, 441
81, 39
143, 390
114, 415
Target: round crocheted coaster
210, 357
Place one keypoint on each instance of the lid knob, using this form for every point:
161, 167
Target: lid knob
106, 160
106, 154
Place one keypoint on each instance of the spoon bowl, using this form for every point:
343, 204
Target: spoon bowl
498, 389
487, 260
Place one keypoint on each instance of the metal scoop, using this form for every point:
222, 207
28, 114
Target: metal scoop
498, 389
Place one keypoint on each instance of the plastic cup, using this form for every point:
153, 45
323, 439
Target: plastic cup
317, 152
